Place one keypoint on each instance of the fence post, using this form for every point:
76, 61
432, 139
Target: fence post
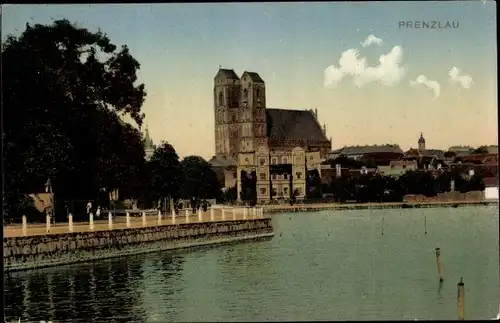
25, 226
70, 222
144, 221
159, 217
212, 217
173, 215
234, 213
187, 215
200, 215
91, 221
47, 220
110, 221
245, 210
223, 213
127, 218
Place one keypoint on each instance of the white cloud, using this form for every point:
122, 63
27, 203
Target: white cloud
464, 80
433, 85
388, 72
371, 40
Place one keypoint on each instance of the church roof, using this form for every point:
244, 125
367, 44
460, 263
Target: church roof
225, 73
293, 124
255, 77
421, 140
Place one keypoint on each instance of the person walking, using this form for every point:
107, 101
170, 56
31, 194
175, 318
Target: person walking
98, 212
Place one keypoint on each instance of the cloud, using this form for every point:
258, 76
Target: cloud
388, 72
371, 40
464, 80
433, 85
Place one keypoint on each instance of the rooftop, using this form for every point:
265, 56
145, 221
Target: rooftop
359, 150
293, 124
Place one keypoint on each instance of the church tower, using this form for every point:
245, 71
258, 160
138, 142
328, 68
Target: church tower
149, 147
226, 103
421, 142
252, 112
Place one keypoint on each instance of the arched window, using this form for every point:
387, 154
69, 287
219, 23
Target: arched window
245, 94
221, 98
257, 94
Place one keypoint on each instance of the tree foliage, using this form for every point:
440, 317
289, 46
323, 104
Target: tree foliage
165, 171
200, 182
65, 89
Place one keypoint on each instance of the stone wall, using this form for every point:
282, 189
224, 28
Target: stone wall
447, 197
31, 252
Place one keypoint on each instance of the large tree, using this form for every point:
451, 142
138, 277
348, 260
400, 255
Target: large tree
65, 88
166, 172
199, 180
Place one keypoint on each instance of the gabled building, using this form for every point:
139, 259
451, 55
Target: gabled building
381, 152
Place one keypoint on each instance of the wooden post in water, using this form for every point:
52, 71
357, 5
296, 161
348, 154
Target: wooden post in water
425, 224
460, 299
383, 225
127, 219
91, 221
70, 222
25, 226
110, 221
144, 222
439, 264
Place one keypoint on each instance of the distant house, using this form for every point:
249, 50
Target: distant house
492, 149
398, 167
461, 150
359, 152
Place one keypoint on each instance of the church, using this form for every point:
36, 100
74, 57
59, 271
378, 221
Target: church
245, 125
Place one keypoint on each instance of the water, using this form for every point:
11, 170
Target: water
331, 265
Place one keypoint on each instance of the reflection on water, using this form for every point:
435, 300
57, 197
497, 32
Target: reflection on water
319, 266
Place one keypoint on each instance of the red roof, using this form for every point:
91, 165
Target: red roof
490, 181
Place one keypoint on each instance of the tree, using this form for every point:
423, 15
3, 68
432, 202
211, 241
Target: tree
229, 195
65, 87
481, 150
166, 173
450, 154
199, 182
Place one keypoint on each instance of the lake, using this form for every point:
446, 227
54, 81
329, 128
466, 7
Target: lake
329, 265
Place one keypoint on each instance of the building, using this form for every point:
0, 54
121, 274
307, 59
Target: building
149, 147
244, 124
225, 168
425, 157
378, 152
461, 150
279, 173
398, 167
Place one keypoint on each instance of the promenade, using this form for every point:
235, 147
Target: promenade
120, 222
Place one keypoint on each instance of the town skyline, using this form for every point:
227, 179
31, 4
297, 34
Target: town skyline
371, 81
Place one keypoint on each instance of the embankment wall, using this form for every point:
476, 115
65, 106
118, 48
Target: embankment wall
21, 253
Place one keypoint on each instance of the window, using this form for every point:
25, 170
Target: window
257, 94
221, 99
299, 175
262, 161
285, 190
274, 161
245, 94
285, 160
285, 176
233, 117
273, 176
404, 166
263, 191
262, 176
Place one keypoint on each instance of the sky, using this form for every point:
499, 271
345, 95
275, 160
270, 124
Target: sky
372, 71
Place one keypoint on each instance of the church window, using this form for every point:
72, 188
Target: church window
245, 94
273, 176
221, 98
233, 117
262, 161
263, 191
285, 176
273, 161
262, 176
